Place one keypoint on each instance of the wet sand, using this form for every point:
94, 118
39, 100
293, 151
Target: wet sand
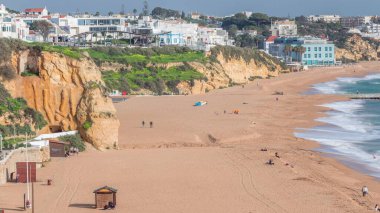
200, 159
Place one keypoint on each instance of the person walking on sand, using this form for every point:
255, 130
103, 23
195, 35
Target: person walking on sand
151, 124
143, 124
377, 208
365, 191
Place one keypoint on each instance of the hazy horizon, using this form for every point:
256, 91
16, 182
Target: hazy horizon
211, 7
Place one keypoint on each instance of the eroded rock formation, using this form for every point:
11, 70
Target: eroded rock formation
60, 92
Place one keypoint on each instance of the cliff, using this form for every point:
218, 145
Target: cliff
226, 70
222, 67
357, 49
57, 86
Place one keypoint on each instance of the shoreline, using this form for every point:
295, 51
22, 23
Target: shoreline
177, 168
328, 150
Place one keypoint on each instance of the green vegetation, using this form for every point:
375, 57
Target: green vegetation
158, 80
143, 56
87, 125
14, 143
247, 54
71, 52
17, 111
27, 73
334, 31
75, 141
7, 46
163, 13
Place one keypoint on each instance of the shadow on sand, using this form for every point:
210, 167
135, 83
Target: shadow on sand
20, 209
82, 205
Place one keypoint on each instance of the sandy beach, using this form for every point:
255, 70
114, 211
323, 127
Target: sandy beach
207, 159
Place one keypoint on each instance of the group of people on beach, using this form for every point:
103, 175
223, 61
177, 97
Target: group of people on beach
150, 124
365, 193
109, 206
72, 151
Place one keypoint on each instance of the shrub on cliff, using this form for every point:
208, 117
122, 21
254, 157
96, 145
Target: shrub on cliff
75, 141
7, 47
18, 111
247, 54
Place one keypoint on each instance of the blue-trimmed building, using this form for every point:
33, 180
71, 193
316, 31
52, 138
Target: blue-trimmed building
309, 51
171, 39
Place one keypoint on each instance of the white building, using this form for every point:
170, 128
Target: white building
174, 32
324, 18
213, 36
86, 23
36, 11
3, 11
13, 28
284, 28
355, 21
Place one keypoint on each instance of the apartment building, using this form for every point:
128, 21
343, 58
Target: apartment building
308, 51
284, 28
324, 18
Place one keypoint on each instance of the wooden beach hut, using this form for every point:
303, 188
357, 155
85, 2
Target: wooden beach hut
105, 195
57, 148
21, 169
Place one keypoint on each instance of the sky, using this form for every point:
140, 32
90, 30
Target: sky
282, 8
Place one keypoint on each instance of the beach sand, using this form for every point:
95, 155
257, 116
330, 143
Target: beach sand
200, 159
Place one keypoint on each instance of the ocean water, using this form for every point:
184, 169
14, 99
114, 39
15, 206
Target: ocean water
351, 130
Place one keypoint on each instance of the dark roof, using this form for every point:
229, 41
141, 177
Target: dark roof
60, 142
105, 188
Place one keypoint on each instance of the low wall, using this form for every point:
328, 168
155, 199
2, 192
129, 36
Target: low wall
8, 165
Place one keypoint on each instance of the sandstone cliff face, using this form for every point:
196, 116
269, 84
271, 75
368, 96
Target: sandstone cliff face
227, 72
356, 49
97, 110
221, 73
59, 92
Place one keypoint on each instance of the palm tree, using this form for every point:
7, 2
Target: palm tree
302, 50
288, 50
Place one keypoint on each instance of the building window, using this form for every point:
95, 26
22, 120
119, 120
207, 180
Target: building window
326, 55
315, 49
315, 55
309, 49
175, 41
320, 55
81, 22
330, 48
305, 55
309, 55
326, 48
330, 55
320, 49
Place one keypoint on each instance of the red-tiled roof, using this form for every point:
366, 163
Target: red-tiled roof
271, 38
34, 10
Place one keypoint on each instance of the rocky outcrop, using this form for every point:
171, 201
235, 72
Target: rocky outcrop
356, 49
96, 117
59, 92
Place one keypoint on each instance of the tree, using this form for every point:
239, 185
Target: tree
160, 12
288, 51
232, 30
145, 11
259, 18
183, 15
97, 14
246, 40
42, 27
110, 13
134, 12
